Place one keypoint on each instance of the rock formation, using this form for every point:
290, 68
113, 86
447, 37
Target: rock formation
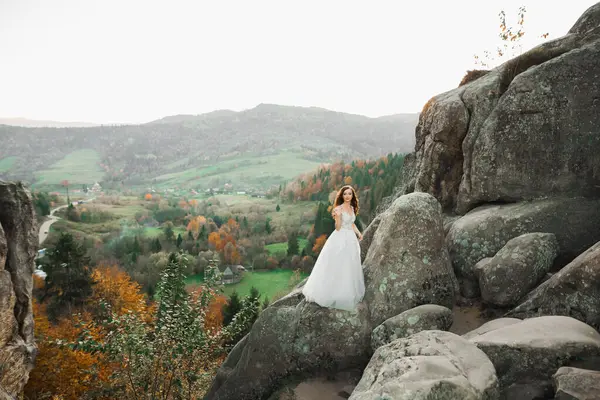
18, 245
505, 170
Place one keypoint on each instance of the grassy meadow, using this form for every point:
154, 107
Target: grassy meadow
242, 171
270, 284
7, 163
79, 167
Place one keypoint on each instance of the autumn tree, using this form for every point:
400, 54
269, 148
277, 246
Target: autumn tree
319, 243
510, 41
230, 254
171, 357
115, 287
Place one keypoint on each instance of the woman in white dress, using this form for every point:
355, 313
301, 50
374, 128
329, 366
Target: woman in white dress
336, 280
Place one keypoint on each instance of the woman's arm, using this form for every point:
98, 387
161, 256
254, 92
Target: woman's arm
337, 215
355, 229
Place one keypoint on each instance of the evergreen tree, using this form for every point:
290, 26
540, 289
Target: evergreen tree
233, 306
168, 231
41, 203
179, 240
244, 319
268, 228
265, 303
293, 245
277, 208
155, 246
190, 235
202, 235
68, 281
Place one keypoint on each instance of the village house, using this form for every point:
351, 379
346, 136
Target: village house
231, 273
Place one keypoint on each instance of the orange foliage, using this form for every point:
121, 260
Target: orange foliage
116, 287
148, 196
214, 240
231, 254
348, 180
70, 374
195, 224
61, 370
214, 314
319, 243
184, 204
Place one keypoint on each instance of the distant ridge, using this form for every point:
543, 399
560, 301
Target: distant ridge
33, 123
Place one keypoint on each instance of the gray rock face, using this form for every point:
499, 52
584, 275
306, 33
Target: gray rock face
408, 264
532, 350
573, 291
576, 384
490, 326
18, 246
428, 365
368, 234
422, 318
293, 341
517, 268
525, 130
485, 230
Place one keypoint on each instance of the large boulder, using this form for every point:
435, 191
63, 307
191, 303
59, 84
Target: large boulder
573, 291
18, 246
428, 365
291, 342
576, 384
491, 326
368, 234
485, 230
529, 352
407, 264
427, 317
526, 129
517, 268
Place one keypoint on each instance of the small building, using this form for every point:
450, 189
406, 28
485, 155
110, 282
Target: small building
96, 188
231, 274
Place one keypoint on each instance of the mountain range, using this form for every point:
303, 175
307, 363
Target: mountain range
254, 147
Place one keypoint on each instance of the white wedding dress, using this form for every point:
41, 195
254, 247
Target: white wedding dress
336, 280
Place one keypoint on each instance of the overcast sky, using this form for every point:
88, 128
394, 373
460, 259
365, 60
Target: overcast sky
128, 61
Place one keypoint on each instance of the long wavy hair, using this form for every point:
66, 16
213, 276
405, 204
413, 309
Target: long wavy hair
339, 198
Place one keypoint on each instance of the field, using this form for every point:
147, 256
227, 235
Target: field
268, 283
79, 167
7, 163
300, 214
275, 248
246, 171
153, 232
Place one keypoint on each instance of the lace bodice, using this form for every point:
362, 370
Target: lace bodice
347, 219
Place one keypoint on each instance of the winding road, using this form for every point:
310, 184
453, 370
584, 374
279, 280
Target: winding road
45, 228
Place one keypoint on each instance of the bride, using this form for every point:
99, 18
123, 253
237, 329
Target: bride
336, 280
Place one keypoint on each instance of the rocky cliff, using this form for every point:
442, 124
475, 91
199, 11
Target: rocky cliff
18, 245
522, 139
500, 202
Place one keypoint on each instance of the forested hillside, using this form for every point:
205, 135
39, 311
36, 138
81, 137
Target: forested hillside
257, 147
